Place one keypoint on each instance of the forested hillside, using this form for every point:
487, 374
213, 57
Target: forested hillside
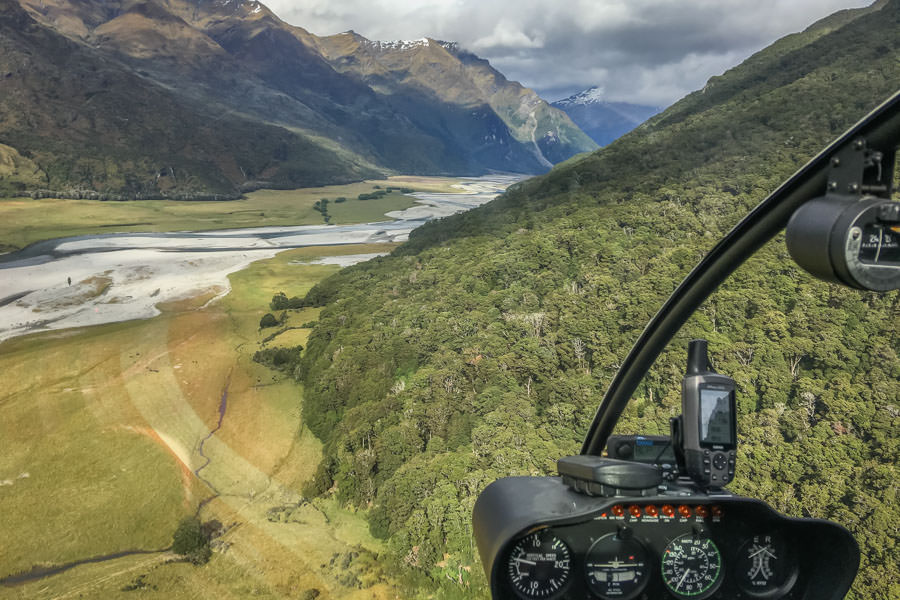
482, 347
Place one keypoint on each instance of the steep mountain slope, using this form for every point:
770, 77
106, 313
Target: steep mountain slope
445, 73
482, 347
604, 121
234, 59
88, 123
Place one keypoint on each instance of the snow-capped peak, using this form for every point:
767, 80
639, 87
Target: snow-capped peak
399, 44
252, 6
592, 95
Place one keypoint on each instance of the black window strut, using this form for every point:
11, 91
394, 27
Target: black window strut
881, 132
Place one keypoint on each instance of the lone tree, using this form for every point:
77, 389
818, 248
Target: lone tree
191, 541
268, 320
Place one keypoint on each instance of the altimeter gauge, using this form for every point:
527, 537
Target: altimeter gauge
692, 567
765, 568
539, 566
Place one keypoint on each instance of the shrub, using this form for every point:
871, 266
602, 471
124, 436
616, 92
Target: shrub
191, 541
268, 320
281, 359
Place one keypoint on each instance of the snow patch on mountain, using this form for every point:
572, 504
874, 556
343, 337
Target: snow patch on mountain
592, 95
399, 44
252, 6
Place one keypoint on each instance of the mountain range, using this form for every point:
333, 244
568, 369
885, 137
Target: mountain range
602, 120
128, 98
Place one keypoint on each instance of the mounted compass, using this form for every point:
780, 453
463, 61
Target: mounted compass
765, 567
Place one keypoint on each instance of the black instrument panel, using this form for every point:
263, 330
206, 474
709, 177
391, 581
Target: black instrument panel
638, 550
673, 547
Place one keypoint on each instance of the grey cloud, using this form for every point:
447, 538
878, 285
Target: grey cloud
644, 51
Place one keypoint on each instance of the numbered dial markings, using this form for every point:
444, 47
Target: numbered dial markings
539, 565
692, 567
765, 567
617, 568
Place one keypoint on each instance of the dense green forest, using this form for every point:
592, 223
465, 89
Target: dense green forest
482, 347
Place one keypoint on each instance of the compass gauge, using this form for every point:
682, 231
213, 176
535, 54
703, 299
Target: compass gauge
765, 568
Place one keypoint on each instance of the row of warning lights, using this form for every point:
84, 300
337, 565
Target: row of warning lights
666, 510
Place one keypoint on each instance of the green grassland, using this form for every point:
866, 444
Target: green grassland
107, 421
24, 221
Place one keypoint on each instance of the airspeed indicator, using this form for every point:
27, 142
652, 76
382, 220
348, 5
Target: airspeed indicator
692, 567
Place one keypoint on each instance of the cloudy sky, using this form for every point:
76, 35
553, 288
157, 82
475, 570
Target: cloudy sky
643, 51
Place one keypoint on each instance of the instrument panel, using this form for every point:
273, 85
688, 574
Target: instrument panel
677, 547
647, 550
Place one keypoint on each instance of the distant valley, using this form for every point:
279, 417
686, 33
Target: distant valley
128, 99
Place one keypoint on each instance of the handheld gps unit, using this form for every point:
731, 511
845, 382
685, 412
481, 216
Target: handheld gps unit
705, 435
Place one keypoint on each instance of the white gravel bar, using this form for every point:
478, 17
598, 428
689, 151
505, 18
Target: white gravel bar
119, 277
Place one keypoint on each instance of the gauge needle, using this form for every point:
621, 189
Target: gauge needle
686, 571
527, 562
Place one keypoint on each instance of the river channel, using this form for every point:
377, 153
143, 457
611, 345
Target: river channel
96, 279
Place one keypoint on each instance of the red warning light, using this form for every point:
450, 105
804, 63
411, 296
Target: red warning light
716, 511
668, 510
650, 510
684, 510
701, 511
617, 510
635, 510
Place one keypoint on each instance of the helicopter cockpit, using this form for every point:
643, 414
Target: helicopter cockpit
638, 517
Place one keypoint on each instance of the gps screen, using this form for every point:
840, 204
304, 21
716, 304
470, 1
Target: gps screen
715, 417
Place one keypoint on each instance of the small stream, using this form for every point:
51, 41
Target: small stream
37, 573
223, 406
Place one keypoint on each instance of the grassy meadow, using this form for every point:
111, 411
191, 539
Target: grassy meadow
102, 434
24, 221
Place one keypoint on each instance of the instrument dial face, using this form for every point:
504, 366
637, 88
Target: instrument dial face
765, 568
692, 567
879, 245
539, 565
616, 568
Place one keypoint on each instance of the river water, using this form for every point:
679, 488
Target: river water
95, 279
